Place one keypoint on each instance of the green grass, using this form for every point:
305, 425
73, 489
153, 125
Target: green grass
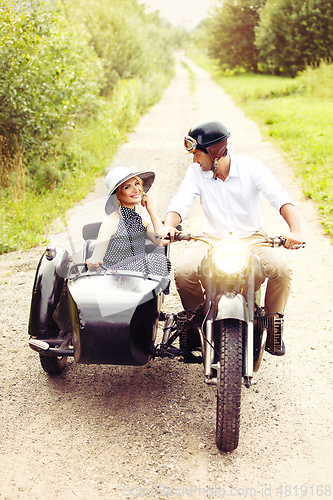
191, 77
295, 114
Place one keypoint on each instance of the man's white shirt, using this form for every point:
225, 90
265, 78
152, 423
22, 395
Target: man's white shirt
231, 207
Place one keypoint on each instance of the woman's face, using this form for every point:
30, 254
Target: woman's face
130, 193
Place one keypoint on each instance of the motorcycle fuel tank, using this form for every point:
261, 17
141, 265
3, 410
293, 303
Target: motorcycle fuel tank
115, 317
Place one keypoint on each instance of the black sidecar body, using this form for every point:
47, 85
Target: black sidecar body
106, 317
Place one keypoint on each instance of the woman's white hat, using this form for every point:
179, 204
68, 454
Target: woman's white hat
117, 176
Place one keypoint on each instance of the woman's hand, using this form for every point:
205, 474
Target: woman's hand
147, 203
93, 263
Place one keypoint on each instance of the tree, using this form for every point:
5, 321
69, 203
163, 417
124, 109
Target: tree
230, 32
129, 42
48, 73
293, 34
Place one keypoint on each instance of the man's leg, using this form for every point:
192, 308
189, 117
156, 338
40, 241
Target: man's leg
278, 272
277, 293
187, 276
279, 279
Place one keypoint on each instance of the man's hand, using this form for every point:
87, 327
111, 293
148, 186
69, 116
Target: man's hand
168, 230
172, 219
293, 238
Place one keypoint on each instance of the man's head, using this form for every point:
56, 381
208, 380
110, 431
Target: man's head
210, 137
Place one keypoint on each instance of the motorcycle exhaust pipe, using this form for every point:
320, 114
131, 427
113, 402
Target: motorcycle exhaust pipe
208, 349
248, 355
202, 341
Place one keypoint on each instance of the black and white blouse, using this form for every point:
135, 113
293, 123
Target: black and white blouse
126, 248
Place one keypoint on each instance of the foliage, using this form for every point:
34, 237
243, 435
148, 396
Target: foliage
48, 73
271, 36
230, 33
28, 205
54, 65
73, 82
293, 34
295, 113
129, 42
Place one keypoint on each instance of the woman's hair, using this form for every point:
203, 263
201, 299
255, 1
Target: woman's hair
119, 187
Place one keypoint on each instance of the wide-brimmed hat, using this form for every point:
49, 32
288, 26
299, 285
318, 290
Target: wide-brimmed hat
117, 176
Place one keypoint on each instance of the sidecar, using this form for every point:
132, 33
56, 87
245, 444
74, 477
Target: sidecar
106, 317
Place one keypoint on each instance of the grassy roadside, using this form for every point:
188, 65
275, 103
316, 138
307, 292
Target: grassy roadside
28, 206
296, 115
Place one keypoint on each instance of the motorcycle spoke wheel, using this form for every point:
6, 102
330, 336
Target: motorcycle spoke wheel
229, 384
53, 366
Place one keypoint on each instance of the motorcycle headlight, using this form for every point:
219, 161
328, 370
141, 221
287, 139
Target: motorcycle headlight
231, 257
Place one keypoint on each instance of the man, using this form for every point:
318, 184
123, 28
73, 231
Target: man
230, 187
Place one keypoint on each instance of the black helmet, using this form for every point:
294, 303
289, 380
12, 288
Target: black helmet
205, 133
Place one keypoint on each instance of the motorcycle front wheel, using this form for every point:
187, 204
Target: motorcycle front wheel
229, 382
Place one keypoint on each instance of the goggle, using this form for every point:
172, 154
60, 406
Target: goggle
190, 144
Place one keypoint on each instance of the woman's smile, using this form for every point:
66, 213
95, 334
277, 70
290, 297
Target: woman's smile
130, 193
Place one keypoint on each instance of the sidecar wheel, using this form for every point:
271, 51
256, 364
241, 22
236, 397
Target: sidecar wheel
53, 366
229, 383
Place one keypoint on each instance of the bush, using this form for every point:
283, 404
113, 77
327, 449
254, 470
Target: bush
48, 74
73, 82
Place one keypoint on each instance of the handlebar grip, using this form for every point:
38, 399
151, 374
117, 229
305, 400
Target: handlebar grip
279, 242
183, 236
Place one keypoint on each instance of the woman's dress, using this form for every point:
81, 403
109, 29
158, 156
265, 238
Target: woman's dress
126, 248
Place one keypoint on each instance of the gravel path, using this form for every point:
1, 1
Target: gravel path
109, 432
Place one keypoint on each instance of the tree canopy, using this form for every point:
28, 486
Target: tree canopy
54, 66
48, 72
293, 34
275, 36
230, 34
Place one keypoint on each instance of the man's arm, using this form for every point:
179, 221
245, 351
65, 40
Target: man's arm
290, 215
172, 219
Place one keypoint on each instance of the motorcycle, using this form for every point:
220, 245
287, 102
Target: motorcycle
230, 327
111, 316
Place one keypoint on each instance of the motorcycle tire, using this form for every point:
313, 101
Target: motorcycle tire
229, 380
53, 366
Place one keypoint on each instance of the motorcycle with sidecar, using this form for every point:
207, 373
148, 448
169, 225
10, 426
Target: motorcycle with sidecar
111, 317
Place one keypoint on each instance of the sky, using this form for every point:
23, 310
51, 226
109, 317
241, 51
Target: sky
185, 13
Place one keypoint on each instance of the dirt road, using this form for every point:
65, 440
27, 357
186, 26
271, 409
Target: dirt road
108, 432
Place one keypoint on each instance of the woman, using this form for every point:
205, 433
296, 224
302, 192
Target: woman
121, 239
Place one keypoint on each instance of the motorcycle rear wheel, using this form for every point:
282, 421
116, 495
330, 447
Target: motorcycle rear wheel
53, 366
229, 380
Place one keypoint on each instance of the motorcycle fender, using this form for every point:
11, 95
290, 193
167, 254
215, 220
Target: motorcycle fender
231, 306
47, 289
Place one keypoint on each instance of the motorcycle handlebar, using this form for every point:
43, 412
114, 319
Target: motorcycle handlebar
275, 242
180, 237
183, 236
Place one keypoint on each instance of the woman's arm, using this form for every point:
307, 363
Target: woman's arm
155, 223
107, 229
